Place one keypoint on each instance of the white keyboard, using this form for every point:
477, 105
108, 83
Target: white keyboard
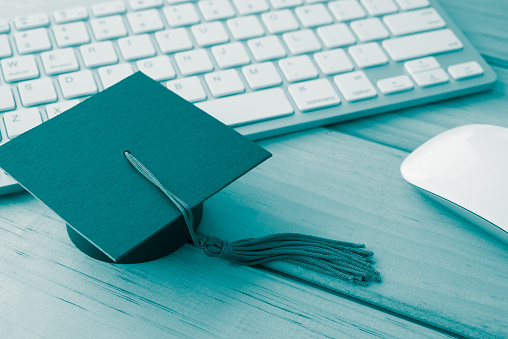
264, 67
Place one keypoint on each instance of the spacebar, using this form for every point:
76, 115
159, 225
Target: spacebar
248, 108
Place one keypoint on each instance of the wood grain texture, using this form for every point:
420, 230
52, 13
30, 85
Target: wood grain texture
435, 266
49, 289
484, 22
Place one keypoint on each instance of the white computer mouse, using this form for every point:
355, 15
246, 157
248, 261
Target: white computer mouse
466, 169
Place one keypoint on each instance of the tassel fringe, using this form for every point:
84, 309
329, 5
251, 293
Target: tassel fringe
346, 261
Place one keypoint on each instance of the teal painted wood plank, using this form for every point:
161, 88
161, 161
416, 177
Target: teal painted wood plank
435, 266
409, 128
49, 289
484, 23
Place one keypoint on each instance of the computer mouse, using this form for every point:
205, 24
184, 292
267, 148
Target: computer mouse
466, 170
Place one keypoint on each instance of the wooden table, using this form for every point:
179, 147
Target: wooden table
441, 275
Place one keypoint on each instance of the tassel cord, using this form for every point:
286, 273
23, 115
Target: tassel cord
322, 252
359, 274
331, 259
330, 272
332, 269
343, 260
281, 242
297, 237
342, 266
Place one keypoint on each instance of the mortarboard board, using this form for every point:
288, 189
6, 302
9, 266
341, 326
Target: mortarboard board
108, 166
74, 163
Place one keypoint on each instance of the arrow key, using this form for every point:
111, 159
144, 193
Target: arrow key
397, 84
431, 78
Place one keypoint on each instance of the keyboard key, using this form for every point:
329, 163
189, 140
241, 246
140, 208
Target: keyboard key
397, 84
138, 5
158, 68
77, 84
245, 7
368, 55
333, 62
277, 4
35, 40
245, 27
379, 7
279, 21
18, 122
181, 15
70, 15
110, 27
224, 83
110, 75
420, 65
422, 44
250, 107
301, 42
369, 29
266, 48
465, 70
313, 15
414, 21
314, 94
5, 47
346, 10
19, 68
355, 86
4, 26
136, 47
298, 68
36, 92
98, 54
108, 8
31, 21
261, 75
188, 88
193, 62
145, 21
72, 34
59, 61
230, 55
6, 99
406, 5
210, 33
172, 2
336, 35
216, 9
431, 78
173, 40
52, 110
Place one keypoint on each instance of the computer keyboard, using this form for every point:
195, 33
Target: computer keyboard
264, 67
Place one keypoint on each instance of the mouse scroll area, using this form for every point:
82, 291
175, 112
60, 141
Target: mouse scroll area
466, 169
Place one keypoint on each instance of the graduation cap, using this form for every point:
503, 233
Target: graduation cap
129, 169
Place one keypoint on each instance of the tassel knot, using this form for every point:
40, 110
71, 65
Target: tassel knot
215, 247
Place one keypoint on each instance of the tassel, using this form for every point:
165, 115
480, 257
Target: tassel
342, 260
